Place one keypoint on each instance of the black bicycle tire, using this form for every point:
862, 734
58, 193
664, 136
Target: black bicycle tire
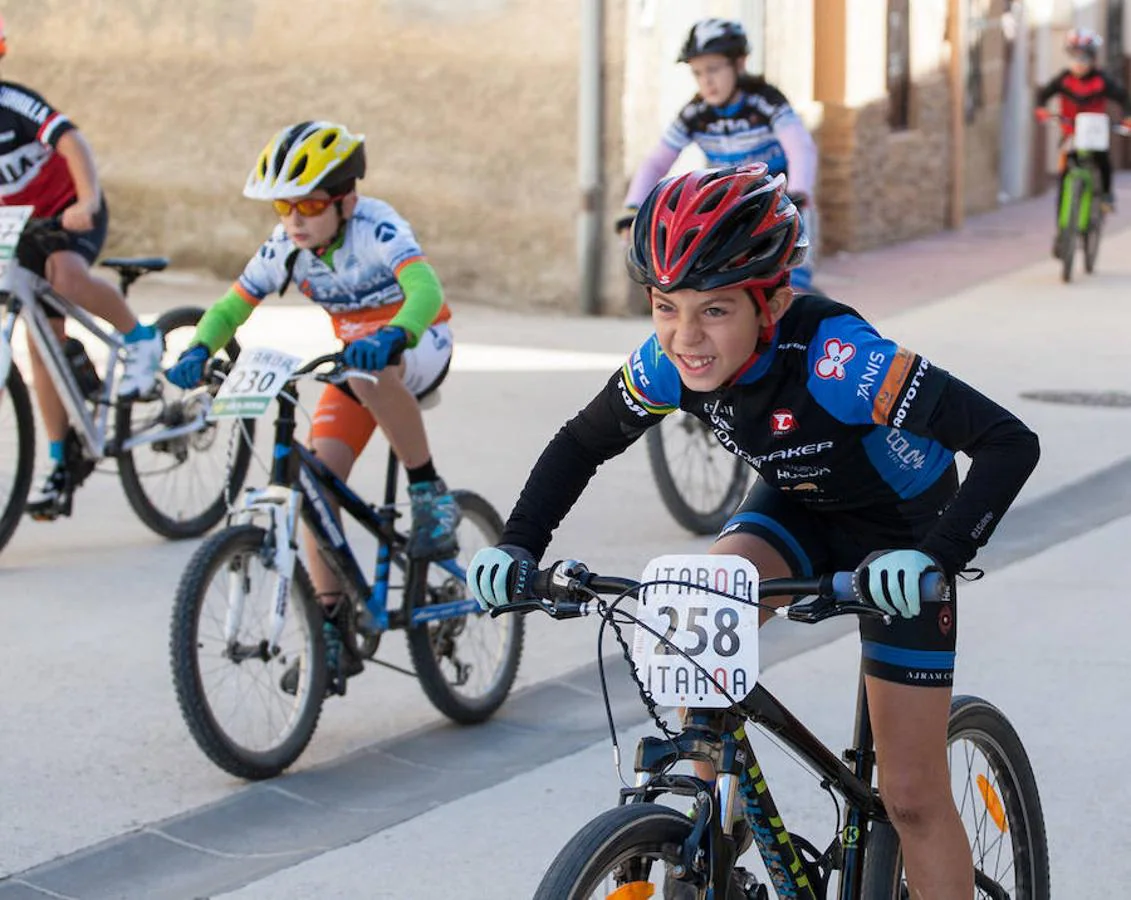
615, 833
150, 515
207, 733
705, 523
1069, 238
883, 862
459, 709
1092, 241
13, 511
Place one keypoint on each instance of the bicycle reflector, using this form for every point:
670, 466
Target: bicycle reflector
634, 890
993, 803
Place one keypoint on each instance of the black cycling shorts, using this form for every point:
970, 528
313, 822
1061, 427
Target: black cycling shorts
40, 239
918, 651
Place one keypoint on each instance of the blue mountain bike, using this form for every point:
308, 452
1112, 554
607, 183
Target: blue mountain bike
247, 643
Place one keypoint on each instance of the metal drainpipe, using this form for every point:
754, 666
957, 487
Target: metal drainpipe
590, 156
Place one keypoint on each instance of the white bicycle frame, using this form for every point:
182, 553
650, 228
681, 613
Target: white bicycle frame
34, 294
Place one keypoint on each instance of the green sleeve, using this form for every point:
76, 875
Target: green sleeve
423, 298
219, 324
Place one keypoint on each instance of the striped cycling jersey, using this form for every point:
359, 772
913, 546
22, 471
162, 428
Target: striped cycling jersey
32, 172
740, 133
358, 285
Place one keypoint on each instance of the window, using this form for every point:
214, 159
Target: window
899, 64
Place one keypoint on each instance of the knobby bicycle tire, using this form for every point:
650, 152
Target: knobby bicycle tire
697, 521
146, 508
975, 720
1092, 241
15, 394
220, 550
430, 642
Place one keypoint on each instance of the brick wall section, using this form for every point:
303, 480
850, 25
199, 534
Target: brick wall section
879, 186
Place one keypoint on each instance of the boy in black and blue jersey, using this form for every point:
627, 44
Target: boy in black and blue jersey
854, 437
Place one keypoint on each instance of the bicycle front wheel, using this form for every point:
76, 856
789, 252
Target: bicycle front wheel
624, 854
997, 799
1092, 242
180, 484
700, 482
466, 664
251, 699
1069, 236
17, 452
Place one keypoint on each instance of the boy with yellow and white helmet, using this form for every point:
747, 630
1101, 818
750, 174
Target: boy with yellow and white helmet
358, 259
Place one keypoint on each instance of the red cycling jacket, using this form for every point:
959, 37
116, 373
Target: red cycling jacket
1082, 93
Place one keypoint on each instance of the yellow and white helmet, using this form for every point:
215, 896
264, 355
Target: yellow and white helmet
305, 157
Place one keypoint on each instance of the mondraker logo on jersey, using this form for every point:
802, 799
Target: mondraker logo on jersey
831, 365
793, 452
782, 422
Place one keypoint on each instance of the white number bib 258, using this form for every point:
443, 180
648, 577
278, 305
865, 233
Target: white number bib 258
719, 634
258, 375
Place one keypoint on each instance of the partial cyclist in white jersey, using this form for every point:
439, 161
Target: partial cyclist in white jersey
735, 119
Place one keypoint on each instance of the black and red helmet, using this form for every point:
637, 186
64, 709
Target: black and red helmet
717, 228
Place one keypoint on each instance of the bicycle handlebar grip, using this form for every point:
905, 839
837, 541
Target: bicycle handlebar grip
932, 587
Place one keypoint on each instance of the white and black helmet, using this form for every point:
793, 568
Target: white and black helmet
723, 36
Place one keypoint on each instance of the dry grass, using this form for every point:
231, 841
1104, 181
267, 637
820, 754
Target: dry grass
470, 118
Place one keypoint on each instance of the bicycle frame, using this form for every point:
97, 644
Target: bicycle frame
1079, 171
719, 737
301, 484
28, 294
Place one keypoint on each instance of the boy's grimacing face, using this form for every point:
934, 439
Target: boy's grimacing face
710, 335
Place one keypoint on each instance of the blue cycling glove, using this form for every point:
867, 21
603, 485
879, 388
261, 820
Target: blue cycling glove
492, 569
375, 352
188, 371
890, 580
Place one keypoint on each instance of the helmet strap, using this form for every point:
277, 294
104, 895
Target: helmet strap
761, 301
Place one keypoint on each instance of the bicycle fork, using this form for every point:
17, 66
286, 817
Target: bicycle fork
282, 506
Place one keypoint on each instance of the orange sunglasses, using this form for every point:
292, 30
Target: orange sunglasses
308, 207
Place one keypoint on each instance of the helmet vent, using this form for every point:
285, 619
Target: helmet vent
328, 139
299, 167
713, 199
686, 241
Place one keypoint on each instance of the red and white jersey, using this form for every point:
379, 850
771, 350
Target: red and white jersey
32, 172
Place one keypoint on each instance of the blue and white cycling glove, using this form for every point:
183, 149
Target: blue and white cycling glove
497, 574
188, 371
890, 580
375, 352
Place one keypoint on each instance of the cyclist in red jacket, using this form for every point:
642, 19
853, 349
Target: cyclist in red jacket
1083, 87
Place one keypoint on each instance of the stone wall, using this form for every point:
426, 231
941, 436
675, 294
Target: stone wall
878, 186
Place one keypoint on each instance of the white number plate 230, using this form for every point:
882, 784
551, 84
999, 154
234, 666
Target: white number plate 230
720, 635
258, 375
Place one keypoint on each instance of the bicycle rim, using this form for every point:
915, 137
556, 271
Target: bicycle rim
466, 664
229, 681
700, 482
180, 486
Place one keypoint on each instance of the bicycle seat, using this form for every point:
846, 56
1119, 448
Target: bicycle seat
139, 263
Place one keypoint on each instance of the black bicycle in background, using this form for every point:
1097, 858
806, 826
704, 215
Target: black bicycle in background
645, 849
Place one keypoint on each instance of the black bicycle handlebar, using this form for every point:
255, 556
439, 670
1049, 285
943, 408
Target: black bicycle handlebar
567, 590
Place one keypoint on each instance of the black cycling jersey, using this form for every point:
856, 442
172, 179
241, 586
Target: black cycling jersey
832, 415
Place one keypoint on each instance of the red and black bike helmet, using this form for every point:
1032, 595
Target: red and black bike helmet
718, 228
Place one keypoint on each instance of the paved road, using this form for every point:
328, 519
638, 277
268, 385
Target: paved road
104, 794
